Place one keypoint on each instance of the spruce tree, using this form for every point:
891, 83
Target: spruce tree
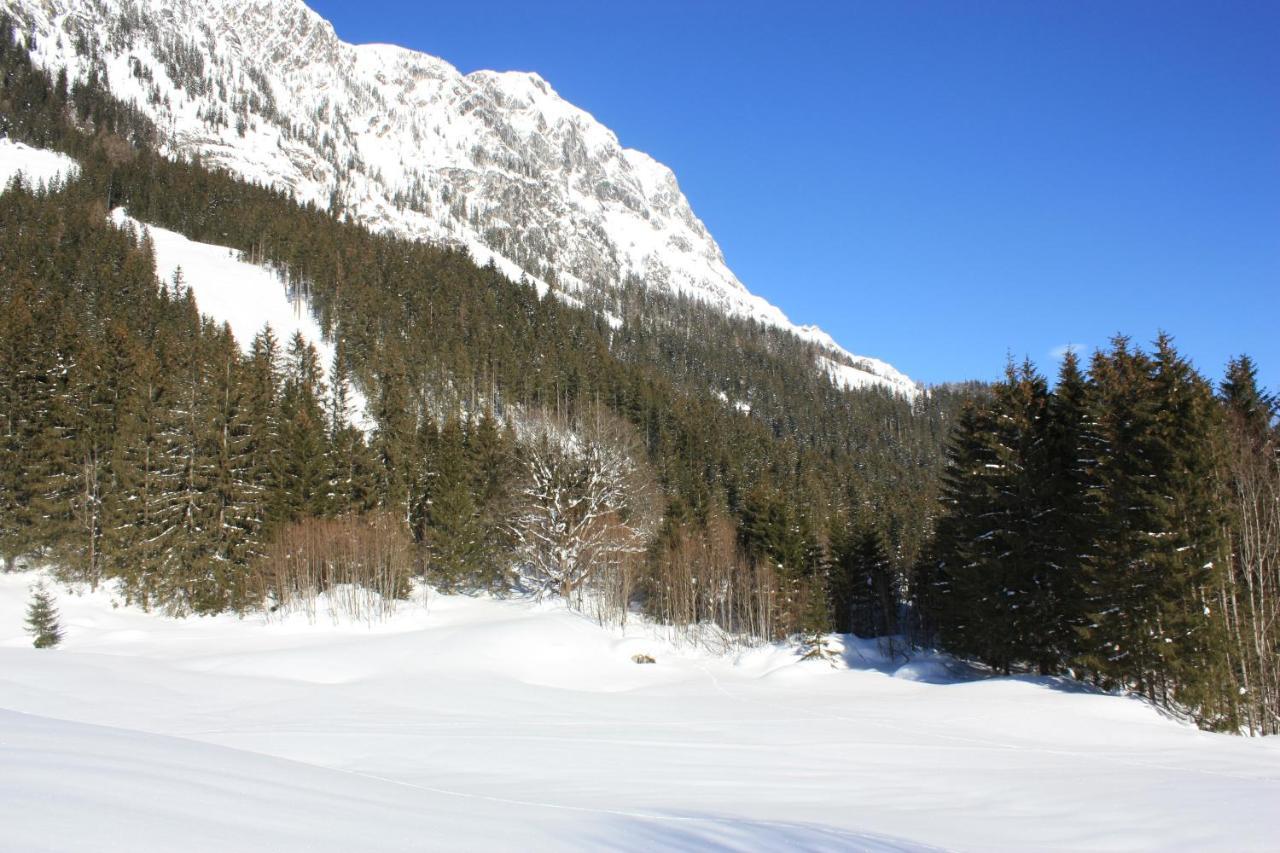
864, 589
232, 496
307, 478
22, 399
945, 593
1122, 640
261, 378
42, 619
993, 543
1158, 548
452, 533
1253, 409
1192, 555
1070, 514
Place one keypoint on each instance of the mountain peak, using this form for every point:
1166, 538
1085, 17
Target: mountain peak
496, 162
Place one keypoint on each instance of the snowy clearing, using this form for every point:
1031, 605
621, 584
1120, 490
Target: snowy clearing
245, 296
479, 724
37, 166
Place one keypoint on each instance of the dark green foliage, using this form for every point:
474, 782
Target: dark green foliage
1158, 540
1085, 529
776, 532
1101, 528
458, 520
1252, 408
42, 619
993, 571
864, 586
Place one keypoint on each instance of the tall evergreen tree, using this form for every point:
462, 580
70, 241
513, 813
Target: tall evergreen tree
307, 480
451, 534
1069, 515
993, 547
864, 594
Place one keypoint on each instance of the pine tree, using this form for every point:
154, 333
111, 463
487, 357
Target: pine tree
944, 593
991, 550
22, 404
1120, 635
1070, 514
135, 462
232, 497
42, 619
307, 479
451, 531
261, 379
864, 588
1192, 556
1158, 544
785, 539
1252, 408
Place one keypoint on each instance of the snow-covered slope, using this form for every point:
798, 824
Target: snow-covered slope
36, 166
242, 295
477, 724
402, 141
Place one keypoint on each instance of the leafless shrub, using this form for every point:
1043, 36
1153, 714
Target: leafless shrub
362, 562
703, 578
1249, 600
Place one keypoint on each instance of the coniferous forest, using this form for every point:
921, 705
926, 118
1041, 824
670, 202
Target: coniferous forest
1120, 527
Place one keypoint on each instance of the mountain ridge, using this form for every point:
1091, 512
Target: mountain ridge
403, 142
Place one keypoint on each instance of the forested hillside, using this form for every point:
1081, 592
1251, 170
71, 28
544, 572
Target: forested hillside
167, 458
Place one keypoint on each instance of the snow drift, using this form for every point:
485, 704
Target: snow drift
474, 723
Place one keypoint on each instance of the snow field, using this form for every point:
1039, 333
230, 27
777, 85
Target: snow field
478, 724
245, 296
37, 166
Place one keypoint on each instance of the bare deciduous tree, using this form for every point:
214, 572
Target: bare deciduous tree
1250, 598
586, 503
703, 578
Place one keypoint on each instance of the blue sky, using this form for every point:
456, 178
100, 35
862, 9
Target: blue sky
938, 184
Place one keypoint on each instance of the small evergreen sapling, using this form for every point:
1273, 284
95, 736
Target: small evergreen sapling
42, 619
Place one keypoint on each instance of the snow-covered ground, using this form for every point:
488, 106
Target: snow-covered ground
245, 296
37, 166
477, 724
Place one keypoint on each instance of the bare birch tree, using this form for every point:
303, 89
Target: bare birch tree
1250, 599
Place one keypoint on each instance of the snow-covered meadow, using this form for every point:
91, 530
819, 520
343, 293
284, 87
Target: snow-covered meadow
482, 724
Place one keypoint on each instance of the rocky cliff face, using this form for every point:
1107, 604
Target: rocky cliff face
404, 142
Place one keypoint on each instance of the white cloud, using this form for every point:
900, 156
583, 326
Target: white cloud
1058, 353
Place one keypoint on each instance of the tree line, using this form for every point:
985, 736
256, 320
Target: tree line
1122, 528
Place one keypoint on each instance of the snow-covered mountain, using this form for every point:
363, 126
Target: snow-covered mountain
404, 142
